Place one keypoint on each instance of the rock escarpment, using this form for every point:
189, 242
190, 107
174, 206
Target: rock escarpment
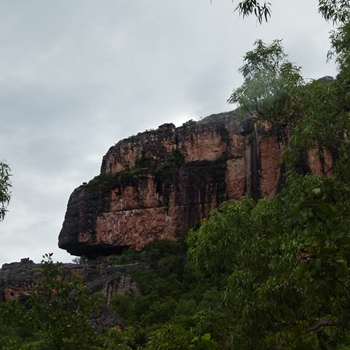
19, 278
160, 183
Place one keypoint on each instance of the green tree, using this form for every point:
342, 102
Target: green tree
272, 85
316, 113
169, 337
5, 187
120, 340
58, 311
172, 337
284, 262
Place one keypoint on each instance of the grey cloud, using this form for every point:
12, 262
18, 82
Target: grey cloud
77, 77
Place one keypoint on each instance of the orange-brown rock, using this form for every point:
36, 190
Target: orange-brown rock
160, 183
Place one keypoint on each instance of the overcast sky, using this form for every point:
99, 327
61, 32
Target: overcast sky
77, 76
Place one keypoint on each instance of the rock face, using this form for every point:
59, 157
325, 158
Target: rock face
161, 183
19, 278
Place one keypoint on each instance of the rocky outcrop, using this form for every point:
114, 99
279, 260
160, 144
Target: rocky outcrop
19, 278
105, 318
160, 183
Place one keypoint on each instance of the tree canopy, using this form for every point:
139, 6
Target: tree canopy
57, 313
272, 85
283, 263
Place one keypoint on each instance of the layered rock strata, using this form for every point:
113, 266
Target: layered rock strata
161, 183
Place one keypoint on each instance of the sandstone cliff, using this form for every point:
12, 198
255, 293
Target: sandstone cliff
160, 183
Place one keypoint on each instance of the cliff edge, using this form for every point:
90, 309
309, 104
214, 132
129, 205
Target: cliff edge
161, 183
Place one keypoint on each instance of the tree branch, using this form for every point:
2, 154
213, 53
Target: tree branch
323, 323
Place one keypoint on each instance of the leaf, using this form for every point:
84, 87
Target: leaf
301, 270
316, 191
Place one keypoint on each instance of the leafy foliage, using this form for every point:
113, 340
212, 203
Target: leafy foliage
287, 273
260, 11
58, 311
336, 11
105, 182
171, 296
284, 262
117, 340
5, 187
271, 85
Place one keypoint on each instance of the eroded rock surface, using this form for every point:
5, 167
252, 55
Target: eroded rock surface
160, 183
19, 278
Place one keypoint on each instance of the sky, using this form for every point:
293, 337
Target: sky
77, 76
